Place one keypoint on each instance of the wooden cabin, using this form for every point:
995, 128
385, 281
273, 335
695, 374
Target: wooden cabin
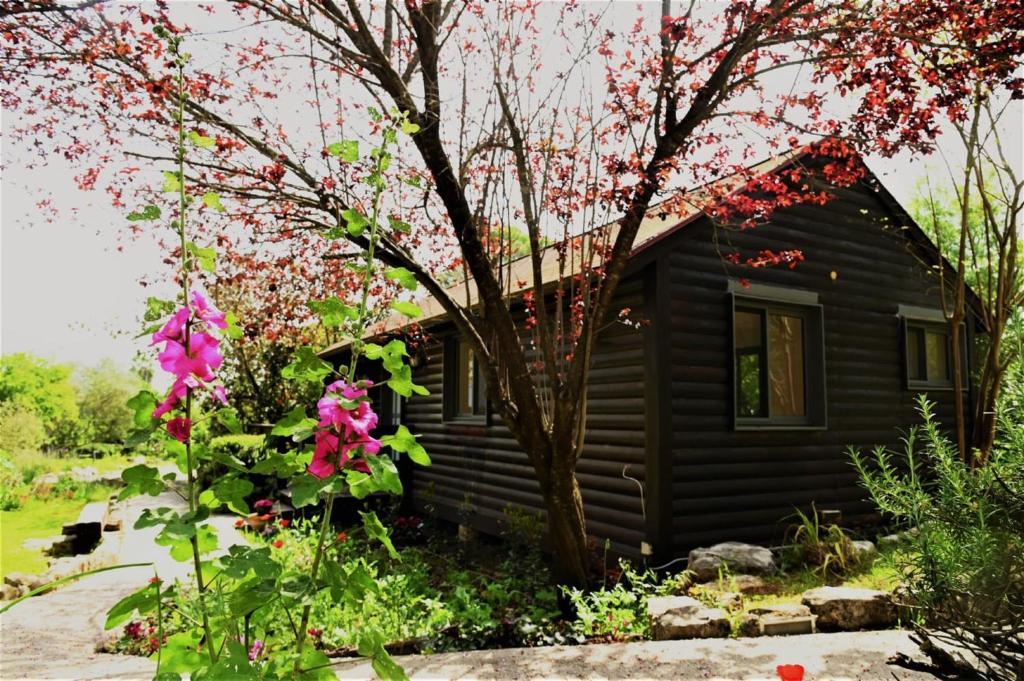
737, 403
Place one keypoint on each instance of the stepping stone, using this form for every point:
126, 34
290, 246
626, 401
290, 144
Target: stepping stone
840, 608
88, 528
863, 550
679, 617
784, 619
728, 558
746, 585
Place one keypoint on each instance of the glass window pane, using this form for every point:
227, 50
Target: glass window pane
915, 345
786, 365
936, 344
464, 380
749, 364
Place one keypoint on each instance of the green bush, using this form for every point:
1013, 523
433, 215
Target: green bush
10, 480
248, 448
964, 570
20, 428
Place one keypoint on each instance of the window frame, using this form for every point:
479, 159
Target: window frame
924, 320
791, 302
452, 388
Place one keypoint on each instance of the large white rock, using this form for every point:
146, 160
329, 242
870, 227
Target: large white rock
678, 617
732, 557
848, 609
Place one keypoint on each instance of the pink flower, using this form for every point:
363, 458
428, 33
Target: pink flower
172, 330
220, 394
207, 312
177, 391
201, 358
179, 428
344, 430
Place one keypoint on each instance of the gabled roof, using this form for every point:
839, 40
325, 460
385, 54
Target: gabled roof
662, 220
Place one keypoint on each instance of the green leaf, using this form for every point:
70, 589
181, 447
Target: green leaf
306, 366
143, 601
355, 221
228, 418
333, 312
200, 141
143, 404
207, 257
150, 212
405, 441
212, 200
375, 528
232, 665
181, 549
413, 181
228, 490
310, 658
401, 382
306, 490
383, 477
281, 465
410, 128
410, 310
252, 595
157, 308
399, 225
141, 479
241, 561
403, 276
346, 150
386, 668
181, 653
234, 331
295, 425
172, 181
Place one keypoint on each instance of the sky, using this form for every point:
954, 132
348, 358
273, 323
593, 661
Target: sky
69, 288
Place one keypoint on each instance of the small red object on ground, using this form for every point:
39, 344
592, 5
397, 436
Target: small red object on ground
790, 672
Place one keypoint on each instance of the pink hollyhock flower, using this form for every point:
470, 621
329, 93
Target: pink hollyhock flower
207, 312
179, 428
172, 330
177, 391
201, 358
326, 449
220, 394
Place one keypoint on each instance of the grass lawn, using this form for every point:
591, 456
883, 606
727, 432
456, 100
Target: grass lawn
38, 518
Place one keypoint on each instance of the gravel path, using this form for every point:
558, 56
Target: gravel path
54, 636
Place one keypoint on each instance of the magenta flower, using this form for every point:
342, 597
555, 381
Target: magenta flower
172, 330
177, 391
179, 428
344, 430
207, 312
220, 394
201, 358
255, 650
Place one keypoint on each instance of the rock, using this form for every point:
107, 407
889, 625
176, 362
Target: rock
841, 608
25, 581
678, 617
9, 593
747, 585
890, 541
88, 528
730, 600
787, 626
782, 610
749, 626
863, 550
732, 557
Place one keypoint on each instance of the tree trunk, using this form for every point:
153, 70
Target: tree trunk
567, 529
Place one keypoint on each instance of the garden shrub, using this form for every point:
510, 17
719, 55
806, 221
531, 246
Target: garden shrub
964, 567
20, 428
824, 547
10, 480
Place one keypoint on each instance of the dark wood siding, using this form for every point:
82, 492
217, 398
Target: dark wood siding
741, 485
479, 469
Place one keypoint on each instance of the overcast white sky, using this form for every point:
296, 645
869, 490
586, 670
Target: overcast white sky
68, 294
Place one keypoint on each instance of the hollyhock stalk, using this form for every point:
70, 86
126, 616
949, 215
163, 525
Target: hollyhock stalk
325, 523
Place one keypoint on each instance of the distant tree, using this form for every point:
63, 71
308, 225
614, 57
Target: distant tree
44, 389
103, 391
20, 428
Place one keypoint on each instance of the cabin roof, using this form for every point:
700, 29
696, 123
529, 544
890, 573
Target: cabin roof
656, 226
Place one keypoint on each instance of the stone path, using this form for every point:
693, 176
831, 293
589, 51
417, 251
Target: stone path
54, 636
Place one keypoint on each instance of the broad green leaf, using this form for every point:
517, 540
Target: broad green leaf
355, 221
333, 312
143, 601
232, 665
141, 479
143, 405
405, 441
157, 308
315, 665
306, 489
234, 331
200, 141
295, 424
410, 310
181, 549
281, 465
181, 653
306, 366
150, 212
375, 528
240, 561
401, 382
207, 257
252, 595
400, 225
228, 490
212, 200
410, 128
403, 276
172, 181
386, 668
383, 477
228, 418
346, 150
413, 181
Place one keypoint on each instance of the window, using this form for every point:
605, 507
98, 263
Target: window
778, 359
464, 390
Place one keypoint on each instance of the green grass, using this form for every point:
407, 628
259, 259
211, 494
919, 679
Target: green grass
38, 518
